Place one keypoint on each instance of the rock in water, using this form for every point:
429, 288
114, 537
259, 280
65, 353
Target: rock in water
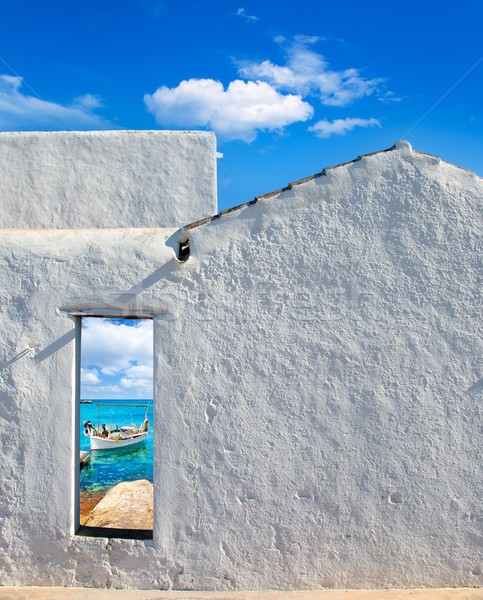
128, 505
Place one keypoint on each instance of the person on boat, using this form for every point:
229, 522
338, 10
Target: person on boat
104, 433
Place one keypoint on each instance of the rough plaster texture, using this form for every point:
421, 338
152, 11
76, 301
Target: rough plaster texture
42, 272
50, 593
322, 433
313, 425
105, 179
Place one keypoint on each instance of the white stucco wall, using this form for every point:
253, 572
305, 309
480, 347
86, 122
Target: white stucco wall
44, 275
105, 179
323, 434
313, 425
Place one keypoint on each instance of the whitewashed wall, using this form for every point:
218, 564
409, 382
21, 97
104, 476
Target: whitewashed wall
321, 433
313, 425
44, 276
105, 179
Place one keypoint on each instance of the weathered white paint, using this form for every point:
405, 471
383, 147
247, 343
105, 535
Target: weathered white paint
313, 426
44, 275
105, 179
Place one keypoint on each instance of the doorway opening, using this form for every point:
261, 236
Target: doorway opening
115, 395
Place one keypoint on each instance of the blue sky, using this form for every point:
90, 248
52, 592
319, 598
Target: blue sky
288, 87
116, 359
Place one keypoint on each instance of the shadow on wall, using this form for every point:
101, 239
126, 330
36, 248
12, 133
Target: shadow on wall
26, 352
123, 299
475, 388
57, 345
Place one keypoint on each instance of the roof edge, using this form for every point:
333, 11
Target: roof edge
310, 178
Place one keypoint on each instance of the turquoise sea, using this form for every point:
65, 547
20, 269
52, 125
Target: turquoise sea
107, 468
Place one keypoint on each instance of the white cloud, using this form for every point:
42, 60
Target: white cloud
87, 101
325, 129
136, 383
306, 72
241, 12
140, 371
117, 359
390, 97
137, 387
239, 112
115, 348
22, 112
102, 391
90, 376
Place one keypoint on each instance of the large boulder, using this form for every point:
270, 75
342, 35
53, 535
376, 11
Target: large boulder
128, 505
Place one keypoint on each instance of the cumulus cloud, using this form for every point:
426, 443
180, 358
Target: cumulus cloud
140, 371
307, 72
325, 129
239, 112
268, 97
139, 381
136, 383
102, 391
90, 376
113, 347
87, 101
241, 12
117, 358
20, 111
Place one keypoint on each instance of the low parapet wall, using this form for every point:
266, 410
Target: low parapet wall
105, 179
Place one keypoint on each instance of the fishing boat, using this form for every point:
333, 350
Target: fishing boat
115, 437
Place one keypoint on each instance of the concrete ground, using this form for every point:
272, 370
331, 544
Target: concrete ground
56, 593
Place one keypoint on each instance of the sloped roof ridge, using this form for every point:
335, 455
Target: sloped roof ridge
304, 180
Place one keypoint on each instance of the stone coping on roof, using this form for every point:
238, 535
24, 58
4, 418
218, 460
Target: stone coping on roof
322, 173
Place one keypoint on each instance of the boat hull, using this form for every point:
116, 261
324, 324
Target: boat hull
98, 443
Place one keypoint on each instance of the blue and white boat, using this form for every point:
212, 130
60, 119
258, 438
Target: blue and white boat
114, 438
